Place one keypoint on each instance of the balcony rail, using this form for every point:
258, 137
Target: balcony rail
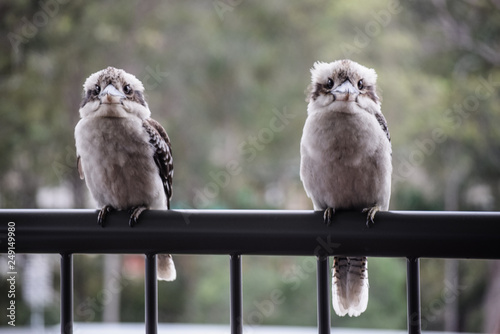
407, 234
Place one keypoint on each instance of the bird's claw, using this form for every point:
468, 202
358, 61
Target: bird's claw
134, 215
370, 218
327, 216
102, 214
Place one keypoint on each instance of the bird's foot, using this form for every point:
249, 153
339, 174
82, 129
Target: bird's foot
370, 218
103, 213
327, 216
135, 213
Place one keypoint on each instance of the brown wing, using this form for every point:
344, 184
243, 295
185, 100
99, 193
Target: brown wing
163, 154
383, 124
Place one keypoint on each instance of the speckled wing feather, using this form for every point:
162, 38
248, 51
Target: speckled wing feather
383, 123
163, 154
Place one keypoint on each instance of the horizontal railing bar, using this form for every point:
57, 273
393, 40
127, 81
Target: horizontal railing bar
260, 232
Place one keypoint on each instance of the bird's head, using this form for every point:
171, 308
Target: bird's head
113, 92
342, 86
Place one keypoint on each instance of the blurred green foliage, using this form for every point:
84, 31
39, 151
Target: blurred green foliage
217, 75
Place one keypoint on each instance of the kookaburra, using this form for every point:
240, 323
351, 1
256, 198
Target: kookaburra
123, 154
346, 162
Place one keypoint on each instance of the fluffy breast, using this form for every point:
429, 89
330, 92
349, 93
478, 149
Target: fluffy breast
117, 161
345, 160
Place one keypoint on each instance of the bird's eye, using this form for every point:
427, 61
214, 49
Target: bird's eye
127, 89
97, 89
329, 84
360, 84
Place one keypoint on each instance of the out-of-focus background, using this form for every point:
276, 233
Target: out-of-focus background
226, 78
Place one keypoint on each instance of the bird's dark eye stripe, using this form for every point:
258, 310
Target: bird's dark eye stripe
139, 98
87, 98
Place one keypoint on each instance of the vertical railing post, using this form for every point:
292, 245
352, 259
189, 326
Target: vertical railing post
322, 283
66, 287
236, 295
413, 295
151, 295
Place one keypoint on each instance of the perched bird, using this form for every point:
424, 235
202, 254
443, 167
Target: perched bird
346, 162
123, 154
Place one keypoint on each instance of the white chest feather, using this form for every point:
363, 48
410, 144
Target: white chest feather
118, 164
345, 161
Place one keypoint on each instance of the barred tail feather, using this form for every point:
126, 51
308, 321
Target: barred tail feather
339, 285
350, 285
357, 285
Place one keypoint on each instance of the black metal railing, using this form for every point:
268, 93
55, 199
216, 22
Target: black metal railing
411, 235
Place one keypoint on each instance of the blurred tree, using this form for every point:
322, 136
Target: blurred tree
468, 54
226, 79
